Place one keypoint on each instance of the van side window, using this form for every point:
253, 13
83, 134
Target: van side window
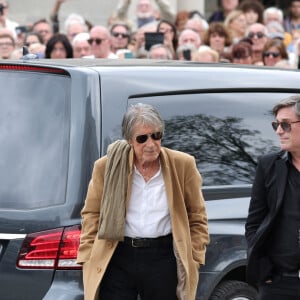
35, 115
226, 132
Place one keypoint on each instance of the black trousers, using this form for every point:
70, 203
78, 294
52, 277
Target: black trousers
150, 272
281, 288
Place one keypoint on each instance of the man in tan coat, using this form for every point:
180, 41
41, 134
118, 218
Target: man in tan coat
184, 201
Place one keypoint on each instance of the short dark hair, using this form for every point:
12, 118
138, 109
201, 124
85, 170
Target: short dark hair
241, 50
220, 29
254, 5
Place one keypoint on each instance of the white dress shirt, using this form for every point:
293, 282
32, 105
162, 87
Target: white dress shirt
148, 213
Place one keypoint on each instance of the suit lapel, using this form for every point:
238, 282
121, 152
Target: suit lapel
281, 180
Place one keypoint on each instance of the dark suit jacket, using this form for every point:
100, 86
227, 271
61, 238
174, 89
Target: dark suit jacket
266, 199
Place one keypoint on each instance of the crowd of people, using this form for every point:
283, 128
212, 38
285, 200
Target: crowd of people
244, 32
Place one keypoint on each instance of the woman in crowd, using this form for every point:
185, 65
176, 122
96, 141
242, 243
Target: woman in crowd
274, 51
236, 23
241, 52
32, 38
253, 10
170, 35
217, 37
59, 46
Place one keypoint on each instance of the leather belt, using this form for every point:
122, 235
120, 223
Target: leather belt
148, 242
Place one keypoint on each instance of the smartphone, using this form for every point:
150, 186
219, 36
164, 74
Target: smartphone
187, 54
124, 53
128, 54
21, 29
153, 38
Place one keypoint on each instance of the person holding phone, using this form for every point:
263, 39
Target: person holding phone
189, 36
144, 223
170, 35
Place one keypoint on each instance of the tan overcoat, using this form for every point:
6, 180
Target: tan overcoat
188, 220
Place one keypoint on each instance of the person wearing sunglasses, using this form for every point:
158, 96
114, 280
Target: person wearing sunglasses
273, 222
273, 52
120, 36
144, 223
258, 34
100, 41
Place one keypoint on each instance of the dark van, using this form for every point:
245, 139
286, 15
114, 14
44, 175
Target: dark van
58, 117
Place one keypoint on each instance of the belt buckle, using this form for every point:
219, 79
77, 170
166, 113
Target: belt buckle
134, 243
140, 243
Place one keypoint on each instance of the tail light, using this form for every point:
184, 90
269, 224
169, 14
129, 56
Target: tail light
22, 67
52, 249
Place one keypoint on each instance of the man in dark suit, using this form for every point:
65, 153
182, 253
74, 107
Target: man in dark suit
273, 223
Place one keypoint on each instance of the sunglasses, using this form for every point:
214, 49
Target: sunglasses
156, 136
274, 54
286, 126
97, 41
123, 35
259, 35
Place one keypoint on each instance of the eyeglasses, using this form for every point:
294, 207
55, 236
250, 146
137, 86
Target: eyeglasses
123, 35
286, 126
98, 41
274, 54
6, 44
259, 35
156, 136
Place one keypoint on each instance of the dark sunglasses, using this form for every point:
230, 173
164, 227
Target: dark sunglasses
156, 136
286, 126
274, 54
259, 35
97, 41
123, 35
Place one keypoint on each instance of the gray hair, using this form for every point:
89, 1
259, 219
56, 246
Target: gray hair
74, 18
156, 46
287, 102
142, 114
273, 10
82, 36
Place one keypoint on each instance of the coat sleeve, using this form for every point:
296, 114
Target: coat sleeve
91, 212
